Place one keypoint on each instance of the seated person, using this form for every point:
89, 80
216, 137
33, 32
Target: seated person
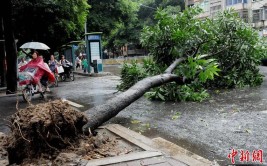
39, 70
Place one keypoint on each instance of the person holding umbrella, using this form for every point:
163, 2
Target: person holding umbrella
38, 69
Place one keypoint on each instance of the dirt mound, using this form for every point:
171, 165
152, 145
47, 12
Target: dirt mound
43, 129
3, 152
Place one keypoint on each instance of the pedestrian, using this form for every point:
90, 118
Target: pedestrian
85, 65
22, 62
78, 62
82, 62
52, 63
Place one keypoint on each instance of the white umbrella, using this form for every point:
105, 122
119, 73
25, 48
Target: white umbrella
35, 45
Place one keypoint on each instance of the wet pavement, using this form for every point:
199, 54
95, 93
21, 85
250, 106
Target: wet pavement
231, 119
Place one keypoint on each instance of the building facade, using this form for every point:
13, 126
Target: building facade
251, 11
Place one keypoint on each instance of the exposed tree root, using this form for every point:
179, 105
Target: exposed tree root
52, 133
43, 128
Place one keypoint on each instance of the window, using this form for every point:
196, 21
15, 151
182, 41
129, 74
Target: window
215, 8
233, 2
205, 5
256, 16
244, 15
191, 2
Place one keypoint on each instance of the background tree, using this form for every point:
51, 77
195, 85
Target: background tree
126, 21
54, 22
117, 19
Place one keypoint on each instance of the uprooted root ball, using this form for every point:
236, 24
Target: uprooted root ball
43, 129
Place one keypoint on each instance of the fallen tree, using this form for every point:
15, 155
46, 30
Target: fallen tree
195, 51
101, 114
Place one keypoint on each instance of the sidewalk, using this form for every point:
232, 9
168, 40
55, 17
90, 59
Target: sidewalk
155, 152
3, 93
92, 74
139, 151
2, 89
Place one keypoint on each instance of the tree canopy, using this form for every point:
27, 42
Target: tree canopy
121, 21
220, 52
57, 22
54, 22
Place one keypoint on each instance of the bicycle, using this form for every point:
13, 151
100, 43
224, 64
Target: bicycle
56, 74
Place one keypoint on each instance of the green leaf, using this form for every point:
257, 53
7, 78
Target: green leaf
135, 121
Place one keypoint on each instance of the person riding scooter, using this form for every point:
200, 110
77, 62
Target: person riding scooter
66, 65
38, 70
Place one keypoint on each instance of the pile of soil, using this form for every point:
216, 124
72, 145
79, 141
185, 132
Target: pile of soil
3, 152
48, 131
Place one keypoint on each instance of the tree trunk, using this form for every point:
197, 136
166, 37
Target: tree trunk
11, 52
2, 54
100, 114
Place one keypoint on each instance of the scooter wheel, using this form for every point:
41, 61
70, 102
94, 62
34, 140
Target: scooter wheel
27, 95
63, 77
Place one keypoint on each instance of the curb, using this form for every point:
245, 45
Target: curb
3, 95
2, 89
102, 74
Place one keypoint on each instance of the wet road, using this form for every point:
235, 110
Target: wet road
231, 119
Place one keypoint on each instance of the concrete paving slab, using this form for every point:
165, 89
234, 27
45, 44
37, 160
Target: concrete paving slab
123, 158
154, 161
179, 153
72, 103
156, 151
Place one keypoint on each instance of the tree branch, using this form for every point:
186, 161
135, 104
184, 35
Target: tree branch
196, 51
173, 65
212, 54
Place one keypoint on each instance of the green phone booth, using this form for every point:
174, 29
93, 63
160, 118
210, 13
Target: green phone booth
93, 51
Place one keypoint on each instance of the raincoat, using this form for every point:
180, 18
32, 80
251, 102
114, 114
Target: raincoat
37, 68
